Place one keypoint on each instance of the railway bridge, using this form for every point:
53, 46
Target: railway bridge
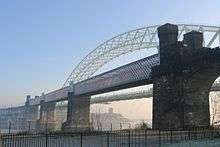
182, 67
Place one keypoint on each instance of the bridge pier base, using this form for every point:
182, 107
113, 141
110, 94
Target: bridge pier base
167, 103
78, 114
180, 102
46, 121
31, 115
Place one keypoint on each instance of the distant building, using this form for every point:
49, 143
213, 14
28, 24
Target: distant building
102, 121
109, 120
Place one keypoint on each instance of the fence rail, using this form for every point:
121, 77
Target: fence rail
123, 138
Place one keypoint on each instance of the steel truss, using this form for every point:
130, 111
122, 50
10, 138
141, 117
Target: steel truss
138, 39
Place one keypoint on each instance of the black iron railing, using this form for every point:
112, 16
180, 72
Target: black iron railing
123, 138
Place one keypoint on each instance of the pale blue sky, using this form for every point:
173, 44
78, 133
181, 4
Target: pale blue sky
42, 40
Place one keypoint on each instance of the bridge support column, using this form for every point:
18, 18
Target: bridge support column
46, 120
78, 114
180, 88
40, 124
182, 102
31, 115
168, 105
32, 119
50, 116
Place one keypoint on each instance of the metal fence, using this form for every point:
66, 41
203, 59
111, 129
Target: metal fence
123, 138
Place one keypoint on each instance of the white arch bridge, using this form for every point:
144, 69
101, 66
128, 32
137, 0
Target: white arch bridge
139, 39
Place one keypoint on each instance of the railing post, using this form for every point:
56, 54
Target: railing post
212, 134
145, 137
107, 139
129, 138
189, 135
159, 138
46, 141
196, 132
171, 136
1, 140
81, 139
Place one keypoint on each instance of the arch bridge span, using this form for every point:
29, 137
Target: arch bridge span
143, 38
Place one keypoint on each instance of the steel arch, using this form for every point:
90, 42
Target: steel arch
142, 38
